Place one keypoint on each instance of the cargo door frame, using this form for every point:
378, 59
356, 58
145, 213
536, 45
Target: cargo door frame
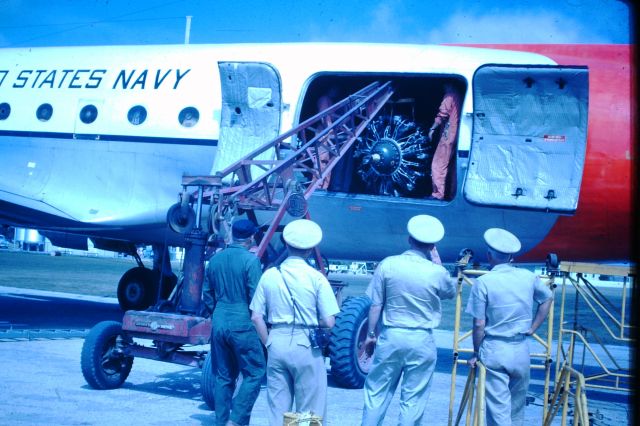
251, 110
528, 143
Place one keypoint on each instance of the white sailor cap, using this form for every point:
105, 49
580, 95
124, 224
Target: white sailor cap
502, 240
302, 234
425, 229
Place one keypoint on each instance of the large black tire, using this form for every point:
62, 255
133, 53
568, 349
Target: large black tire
350, 363
104, 365
208, 382
137, 289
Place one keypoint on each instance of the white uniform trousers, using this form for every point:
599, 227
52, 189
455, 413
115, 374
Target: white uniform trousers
295, 372
508, 369
404, 353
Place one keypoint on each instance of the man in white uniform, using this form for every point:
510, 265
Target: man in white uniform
406, 289
294, 298
501, 303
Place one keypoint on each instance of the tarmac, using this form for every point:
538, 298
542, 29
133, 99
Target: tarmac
41, 383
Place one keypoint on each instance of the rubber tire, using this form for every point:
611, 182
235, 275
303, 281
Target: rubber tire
137, 289
208, 383
98, 343
347, 337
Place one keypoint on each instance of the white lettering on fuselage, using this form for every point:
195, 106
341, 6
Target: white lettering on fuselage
93, 78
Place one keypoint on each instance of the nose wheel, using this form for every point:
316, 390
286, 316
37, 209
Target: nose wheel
137, 289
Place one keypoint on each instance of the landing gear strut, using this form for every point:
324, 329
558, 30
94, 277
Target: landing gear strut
140, 287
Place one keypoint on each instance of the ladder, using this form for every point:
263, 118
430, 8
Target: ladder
303, 157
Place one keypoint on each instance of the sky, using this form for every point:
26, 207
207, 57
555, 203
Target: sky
31, 23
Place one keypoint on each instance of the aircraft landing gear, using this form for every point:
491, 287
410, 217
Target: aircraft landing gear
139, 287
136, 289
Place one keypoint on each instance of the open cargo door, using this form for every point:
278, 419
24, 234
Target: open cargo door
251, 108
529, 137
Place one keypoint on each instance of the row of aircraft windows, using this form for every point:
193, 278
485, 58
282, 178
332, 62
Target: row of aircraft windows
137, 115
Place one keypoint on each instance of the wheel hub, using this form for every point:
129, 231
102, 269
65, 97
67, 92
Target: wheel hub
386, 155
134, 291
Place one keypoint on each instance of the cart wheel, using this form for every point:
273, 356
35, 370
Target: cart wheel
208, 382
350, 363
103, 361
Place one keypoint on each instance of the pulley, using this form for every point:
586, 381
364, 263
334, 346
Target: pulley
181, 218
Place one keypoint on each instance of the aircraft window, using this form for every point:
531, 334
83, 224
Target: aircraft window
137, 115
5, 110
44, 112
189, 117
88, 114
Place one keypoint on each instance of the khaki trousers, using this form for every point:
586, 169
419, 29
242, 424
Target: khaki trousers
508, 370
401, 353
295, 373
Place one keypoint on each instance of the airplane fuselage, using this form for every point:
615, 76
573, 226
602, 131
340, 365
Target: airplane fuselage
94, 142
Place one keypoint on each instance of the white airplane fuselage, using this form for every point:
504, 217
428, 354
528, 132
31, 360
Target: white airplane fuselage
112, 179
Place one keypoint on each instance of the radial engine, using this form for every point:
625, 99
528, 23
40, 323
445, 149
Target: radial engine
393, 156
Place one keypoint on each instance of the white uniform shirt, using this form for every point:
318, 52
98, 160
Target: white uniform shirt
311, 290
410, 287
504, 298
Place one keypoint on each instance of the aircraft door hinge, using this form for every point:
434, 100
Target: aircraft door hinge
519, 192
551, 194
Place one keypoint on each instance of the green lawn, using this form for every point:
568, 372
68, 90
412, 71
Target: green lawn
99, 277
70, 274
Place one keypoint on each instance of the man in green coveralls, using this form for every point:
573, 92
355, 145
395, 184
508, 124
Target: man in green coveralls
233, 275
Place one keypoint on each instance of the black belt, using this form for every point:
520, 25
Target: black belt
300, 326
410, 328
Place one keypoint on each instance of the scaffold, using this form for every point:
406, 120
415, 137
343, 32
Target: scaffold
586, 356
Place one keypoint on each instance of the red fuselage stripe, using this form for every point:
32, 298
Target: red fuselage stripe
601, 228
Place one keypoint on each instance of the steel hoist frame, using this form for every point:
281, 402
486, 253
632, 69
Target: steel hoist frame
302, 158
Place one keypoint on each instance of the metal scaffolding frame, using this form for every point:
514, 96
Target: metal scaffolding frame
571, 381
574, 336
467, 401
568, 379
540, 360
